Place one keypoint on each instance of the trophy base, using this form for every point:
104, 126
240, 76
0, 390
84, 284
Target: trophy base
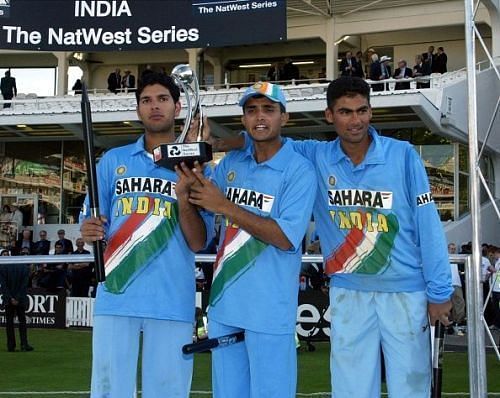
171, 155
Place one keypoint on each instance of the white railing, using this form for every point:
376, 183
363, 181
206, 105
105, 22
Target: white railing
79, 311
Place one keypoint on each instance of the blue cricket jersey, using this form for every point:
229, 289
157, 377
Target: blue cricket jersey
255, 284
149, 265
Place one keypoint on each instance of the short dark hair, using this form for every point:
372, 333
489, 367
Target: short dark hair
158, 78
346, 86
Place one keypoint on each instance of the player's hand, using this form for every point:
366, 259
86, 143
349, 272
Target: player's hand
92, 229
192, 134
439, 312
206, 194
186, 180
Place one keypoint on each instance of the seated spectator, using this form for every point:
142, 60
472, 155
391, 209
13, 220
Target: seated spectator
53, 276
402, 72
42, 247
26, 241
80, 273
66, 243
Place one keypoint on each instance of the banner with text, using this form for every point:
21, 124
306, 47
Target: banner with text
46, 309
122, 25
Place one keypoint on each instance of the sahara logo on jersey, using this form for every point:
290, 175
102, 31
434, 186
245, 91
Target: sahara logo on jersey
424, 199
250, 198
145, 185
360, 198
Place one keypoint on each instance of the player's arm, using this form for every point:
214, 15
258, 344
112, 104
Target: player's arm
218, 144
207, 195
191, 222
432, 241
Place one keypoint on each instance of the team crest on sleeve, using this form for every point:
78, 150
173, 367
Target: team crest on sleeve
121, 170
231, 175
332, 181
424, 199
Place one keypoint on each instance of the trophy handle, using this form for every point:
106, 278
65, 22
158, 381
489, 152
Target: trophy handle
192, 95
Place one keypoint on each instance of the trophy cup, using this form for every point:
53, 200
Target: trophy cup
169, 155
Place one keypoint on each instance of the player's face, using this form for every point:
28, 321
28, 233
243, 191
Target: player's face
351, 117
263, 119
157, 109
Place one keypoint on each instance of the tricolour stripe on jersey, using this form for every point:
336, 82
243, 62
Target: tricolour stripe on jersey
364, 252
135, 245
236, 256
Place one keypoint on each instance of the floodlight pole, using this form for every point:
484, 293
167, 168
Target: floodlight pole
475, 328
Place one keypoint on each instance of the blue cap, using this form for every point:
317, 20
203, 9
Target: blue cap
268, 90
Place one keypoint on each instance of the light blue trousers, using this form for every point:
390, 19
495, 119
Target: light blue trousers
262, 366
166, 372
362, 322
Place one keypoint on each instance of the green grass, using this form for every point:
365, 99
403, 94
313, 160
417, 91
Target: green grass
61, 362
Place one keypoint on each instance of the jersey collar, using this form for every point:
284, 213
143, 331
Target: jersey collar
375, 154
280, 159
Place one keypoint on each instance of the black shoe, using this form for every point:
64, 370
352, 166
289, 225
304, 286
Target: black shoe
27, 347
13, 349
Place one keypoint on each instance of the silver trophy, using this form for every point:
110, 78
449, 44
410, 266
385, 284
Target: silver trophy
170, 155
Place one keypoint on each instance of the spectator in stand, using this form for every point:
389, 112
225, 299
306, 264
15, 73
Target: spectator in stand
275, 72
53, 276
402, 72
6, 214
114, 81
369, 57
148, 71
421, 69
457, 299
26, 241
348, 65
361, 65
128, 81
376, 72
290, 70
486, 272
66, 243
385, 67
17, 218
495, 280
441, 61
77, 87
429, 58
8, 88
81, 273
14, 289
42, 247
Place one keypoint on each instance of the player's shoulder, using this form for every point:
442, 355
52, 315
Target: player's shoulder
295, 160
393, 145
122, 153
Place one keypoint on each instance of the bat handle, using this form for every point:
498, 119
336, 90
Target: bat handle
200, 346
437, 360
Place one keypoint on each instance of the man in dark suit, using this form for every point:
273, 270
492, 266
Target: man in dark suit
128, 81
26, 241
8, 88
67, 245
440, 61
114, 81
349, 66
42, 247
14, 288
402, 72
